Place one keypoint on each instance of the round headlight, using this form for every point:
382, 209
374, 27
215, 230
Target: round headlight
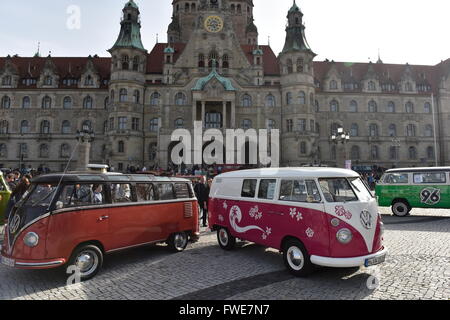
31, 239
344, 236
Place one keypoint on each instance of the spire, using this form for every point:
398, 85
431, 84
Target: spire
295, 31
38, 53
130, 31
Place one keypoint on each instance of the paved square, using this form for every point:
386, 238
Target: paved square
418, 267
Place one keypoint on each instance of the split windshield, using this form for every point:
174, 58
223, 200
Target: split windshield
344, 190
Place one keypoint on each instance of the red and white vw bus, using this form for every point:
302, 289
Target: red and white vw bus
315, 216
74, 219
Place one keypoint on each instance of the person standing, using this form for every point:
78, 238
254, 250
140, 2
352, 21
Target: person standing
10, 180
202, 197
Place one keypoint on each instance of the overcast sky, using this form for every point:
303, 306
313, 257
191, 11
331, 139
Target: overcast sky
413, 31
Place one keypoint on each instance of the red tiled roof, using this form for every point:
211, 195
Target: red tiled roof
155, 59
65, 67
270, 61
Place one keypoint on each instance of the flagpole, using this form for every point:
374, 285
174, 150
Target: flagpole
434, 129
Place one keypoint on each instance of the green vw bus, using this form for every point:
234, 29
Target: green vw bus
408, 188
5, 193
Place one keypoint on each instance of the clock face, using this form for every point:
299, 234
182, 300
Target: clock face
214, 24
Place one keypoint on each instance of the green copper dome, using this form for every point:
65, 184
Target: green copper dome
201, 83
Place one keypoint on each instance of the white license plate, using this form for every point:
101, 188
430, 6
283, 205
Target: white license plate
8, 262
375, 260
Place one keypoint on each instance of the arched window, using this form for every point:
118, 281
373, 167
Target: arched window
393, 153
427, 107
290, 67
333, 85
121, 147
270, 100
4, 127
106, 103
372, 106
412, 153
246, 124
353, 106
87, 103
46, 102
26, 102
24, 127
43, 151
155, 99
302, 97
45, 127
201, 60
154, 124
65, 151
288, 98
136, 96
67, 103
334, 106
300, 65
213, 56
355, 153
373, 130
410, 130
409, 107
3, 150
430, 153
354, 130
429, 130
123, 95
179, 123
246, 100
65, 127
391, 107
374, 153
392, 130
180, 99
6, 102
125, 62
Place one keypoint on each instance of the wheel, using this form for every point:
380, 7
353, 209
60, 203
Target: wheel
225, 239
297, 259
178, 241
400, 208
87, 260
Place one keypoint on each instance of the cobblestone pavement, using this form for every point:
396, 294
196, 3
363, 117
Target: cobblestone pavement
418, 267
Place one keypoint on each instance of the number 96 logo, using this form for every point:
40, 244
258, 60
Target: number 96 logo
430, 196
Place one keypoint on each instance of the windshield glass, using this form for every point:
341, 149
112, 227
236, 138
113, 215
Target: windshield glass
361, 189
41, 195
337, 190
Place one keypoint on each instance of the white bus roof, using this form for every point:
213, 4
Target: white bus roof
418, 169
310, 172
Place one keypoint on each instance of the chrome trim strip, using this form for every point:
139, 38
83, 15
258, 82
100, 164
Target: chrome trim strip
39, 264
136, 245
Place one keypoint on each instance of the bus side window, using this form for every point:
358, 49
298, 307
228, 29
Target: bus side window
121, 193
143, 192
267, 189
182, 190
313, 191
165, 191
248, 188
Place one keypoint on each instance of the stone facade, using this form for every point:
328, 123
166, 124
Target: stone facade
134, 99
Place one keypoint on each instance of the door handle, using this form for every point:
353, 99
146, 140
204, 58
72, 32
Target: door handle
102, 218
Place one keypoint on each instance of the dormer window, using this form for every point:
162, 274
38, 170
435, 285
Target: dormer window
89, 81
333, 85
6, 81
408, 87
371, 86
48, 81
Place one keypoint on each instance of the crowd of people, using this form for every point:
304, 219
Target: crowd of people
18, 184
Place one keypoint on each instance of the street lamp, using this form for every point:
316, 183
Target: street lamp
341, 138
85, 137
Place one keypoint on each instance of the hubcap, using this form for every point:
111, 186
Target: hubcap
295, 258
86, 262
223, 237
180, 240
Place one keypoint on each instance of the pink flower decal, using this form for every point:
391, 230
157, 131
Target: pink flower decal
340, 211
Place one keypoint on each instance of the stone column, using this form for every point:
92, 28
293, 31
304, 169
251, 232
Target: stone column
203, 113
233, 115
194, 112
84, 150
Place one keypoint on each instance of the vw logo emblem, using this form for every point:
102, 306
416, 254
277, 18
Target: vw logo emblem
15, 223
366, 219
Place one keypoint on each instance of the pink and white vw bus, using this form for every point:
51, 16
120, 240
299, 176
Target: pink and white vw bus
315, 216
